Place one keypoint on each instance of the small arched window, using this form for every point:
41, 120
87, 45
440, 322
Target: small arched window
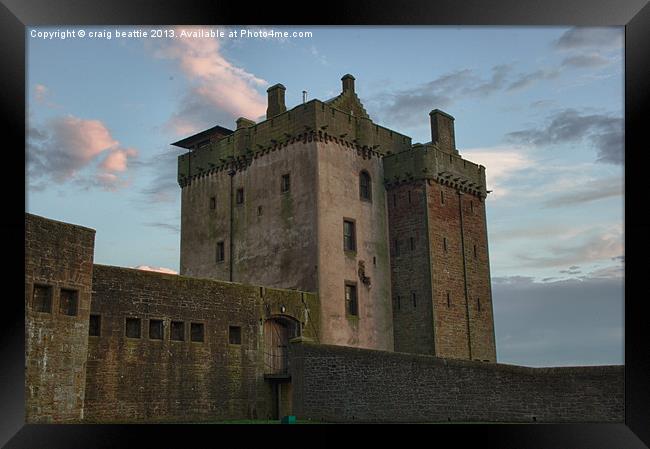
365, 191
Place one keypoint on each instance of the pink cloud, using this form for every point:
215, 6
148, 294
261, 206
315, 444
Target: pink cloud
219, 89
40, 92
117, 160
69, 145
156, 269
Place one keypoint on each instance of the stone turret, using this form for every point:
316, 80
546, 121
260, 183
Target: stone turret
276, 100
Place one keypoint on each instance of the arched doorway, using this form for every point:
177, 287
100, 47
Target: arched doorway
277, 332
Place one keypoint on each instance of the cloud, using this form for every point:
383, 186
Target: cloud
218, 90
592, 60
581, 38
156, 269
175, 229
443, 91
40, 93
163, 186
66, 146
605, 132
592, 191
528, 79
502, 163
318, 55
593, 246
559, 322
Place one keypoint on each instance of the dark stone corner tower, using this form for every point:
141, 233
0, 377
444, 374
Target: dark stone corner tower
392, 236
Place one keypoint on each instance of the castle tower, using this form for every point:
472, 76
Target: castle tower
442, 301
297, 201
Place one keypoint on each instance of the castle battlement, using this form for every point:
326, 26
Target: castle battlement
342, 118
429, 162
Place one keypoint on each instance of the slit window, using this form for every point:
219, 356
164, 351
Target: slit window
478, 304
42, 301
95, 325
132, 328
285, 184
394, 199
365, 191
68, 302
349, 237
234, 335
196, 332
444, 244
474, 251
351, 301
442, 197
220, 252
240, 196
178, 331
156, 330
259, 211
213, 203
399, 302
396, 247
448, 299
412, 243
409, 197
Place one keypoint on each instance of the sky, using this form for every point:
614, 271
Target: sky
540, 107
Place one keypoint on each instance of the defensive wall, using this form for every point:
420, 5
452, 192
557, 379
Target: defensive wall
343, 384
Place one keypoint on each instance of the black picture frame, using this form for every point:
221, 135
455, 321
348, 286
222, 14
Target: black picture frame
16, 15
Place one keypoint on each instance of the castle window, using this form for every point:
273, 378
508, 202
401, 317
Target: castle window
474, 251
285, 184
478, 304
351, 301
196, 332
68, 302
95, 325
394, 199
178, 331
444, 243
240, 196
399, 302
213, 202
409, 197
448, 299
42, 301
221, 252
234, 335
349, 236
132, 328
415, 304
396, 247
412, 243
259, 211
365, 190
156, 330
374, 260
471, 206
442, 197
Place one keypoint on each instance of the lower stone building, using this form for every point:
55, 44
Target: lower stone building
109, 344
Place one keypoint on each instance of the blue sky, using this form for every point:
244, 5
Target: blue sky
540, 107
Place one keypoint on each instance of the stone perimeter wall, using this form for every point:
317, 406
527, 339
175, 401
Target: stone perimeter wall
341, 384
149, 380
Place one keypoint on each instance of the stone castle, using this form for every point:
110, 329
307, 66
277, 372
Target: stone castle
330, 269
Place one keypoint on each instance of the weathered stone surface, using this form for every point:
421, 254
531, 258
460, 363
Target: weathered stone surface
341, 384
57, 256
143, 379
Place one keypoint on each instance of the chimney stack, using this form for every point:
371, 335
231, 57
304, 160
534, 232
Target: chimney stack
442, 131
348, 83
243, 122
276, 100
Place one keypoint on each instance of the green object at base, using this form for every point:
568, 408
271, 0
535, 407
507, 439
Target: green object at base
288, 419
